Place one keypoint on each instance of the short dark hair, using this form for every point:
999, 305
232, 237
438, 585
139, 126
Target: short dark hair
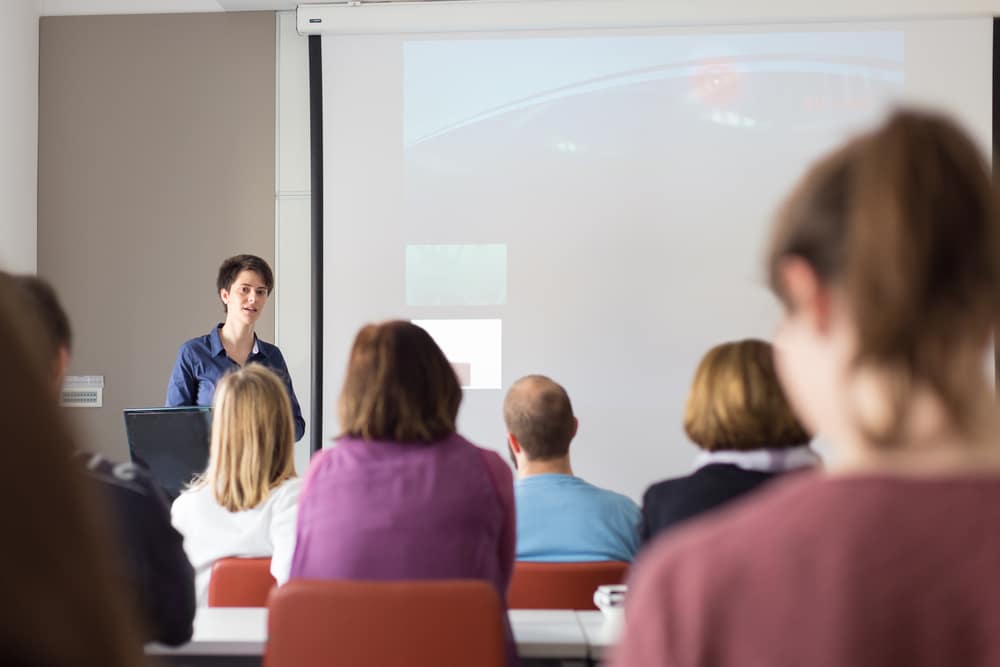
399, 386
44, 303
538, 412
233, 266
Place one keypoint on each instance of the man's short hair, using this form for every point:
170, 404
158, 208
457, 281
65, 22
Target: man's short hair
538, 413
43, 302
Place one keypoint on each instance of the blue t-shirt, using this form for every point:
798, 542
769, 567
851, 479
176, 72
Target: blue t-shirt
561, 518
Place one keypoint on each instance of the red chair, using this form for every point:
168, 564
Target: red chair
385, 624
561, 585
240, 582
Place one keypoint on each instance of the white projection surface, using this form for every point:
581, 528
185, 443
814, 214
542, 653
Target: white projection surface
594, 205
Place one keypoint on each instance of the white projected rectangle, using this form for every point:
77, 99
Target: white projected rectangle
630, 178
472, 346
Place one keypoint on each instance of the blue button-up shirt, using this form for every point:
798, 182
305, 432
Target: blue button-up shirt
202, 361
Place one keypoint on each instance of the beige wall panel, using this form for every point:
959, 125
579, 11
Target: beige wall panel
156, 160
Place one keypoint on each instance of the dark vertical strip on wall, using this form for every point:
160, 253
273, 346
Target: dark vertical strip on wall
996, 144
316, 158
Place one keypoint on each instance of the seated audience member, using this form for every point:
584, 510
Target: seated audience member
244, 505
156, 570
887, 258
560, 517
401, 495
737, 414
64, 603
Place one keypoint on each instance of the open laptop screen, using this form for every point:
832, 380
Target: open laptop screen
171, 442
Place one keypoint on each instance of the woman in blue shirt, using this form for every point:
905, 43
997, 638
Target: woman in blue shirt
244, 283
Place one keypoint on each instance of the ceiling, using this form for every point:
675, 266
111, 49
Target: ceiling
68, 7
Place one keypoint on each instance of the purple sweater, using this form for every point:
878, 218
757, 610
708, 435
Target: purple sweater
386, 510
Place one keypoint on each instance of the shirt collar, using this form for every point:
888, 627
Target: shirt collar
215, 342
763, 460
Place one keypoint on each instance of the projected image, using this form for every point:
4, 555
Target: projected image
456, 275
538, 88
472, 347
610, 137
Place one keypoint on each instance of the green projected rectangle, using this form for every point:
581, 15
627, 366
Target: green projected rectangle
456, 275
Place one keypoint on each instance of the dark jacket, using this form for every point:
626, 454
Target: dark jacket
157, 571
668, 503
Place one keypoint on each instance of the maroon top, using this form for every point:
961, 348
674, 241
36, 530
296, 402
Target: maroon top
826, 571
386, 510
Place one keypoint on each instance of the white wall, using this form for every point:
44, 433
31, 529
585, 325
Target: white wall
18, 135
293, 219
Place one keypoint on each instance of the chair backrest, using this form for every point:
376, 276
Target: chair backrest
385, 624
240, 582
561, 585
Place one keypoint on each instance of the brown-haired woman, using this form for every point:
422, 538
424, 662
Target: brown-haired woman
887, 256
63, 601
401, 495
738, 415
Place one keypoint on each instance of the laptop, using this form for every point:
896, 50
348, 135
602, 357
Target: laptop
171, 442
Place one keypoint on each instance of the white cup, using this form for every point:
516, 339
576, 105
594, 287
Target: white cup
611, 601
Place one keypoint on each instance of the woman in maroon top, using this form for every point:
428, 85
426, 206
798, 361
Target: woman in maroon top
400, 495
887, 257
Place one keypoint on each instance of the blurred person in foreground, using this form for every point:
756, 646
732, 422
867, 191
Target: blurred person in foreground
63, 601
887, 258
737, 414
156, 571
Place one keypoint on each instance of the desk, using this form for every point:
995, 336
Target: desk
601, 636
234, 636
548, 633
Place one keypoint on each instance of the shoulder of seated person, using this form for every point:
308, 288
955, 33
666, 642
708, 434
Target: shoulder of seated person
125, 472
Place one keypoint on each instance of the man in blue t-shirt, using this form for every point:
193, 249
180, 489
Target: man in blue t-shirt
560, 517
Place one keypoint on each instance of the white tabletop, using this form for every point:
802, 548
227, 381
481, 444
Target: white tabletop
547, 633
555, 633
601, 634
222, 631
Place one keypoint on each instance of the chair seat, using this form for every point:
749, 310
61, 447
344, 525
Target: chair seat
240, 582
561, 585
385, 624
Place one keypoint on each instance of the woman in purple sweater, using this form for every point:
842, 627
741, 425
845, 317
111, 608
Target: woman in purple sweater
400, 495
887, 257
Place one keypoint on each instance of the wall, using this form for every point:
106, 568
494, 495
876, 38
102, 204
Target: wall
18, 133
293, 217
156, 160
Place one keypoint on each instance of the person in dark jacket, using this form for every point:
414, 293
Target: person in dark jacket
736, 412
157, 571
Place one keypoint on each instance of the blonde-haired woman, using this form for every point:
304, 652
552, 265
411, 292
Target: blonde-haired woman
737, 414
244, 505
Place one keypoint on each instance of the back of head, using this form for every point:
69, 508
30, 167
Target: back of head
63, 604
903, 222
253, 438
736, 401
44, 301
399, 386
538, 412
